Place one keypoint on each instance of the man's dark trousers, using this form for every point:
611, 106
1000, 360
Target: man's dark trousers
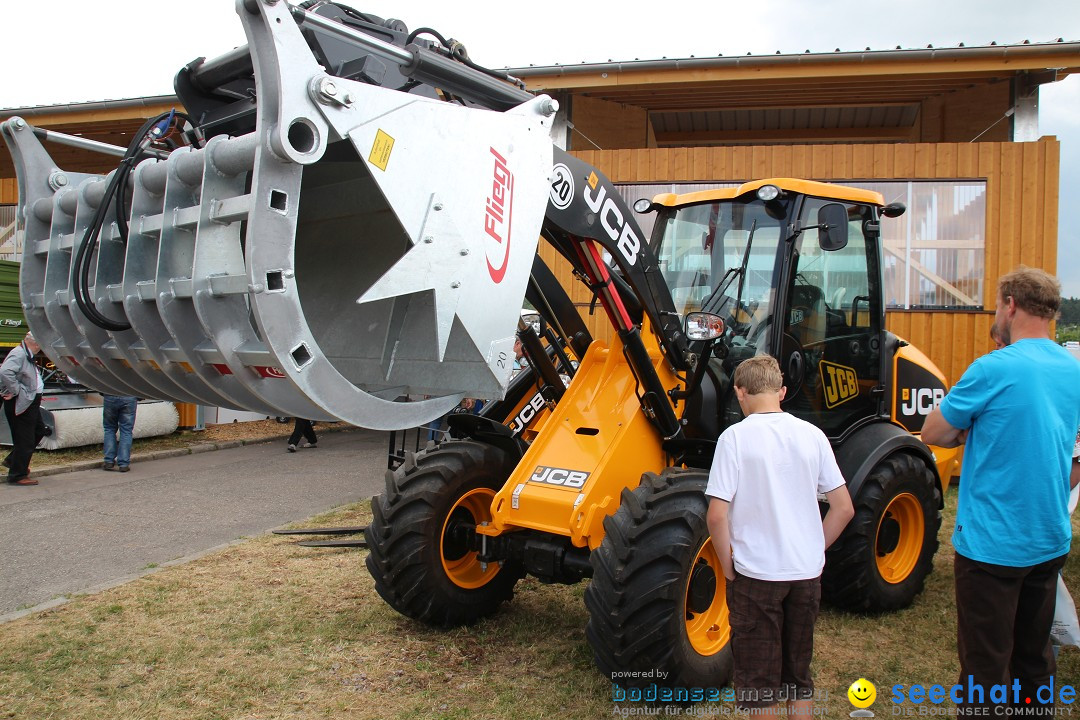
1009, 636
27, 429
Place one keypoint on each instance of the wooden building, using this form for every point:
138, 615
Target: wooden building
952, 132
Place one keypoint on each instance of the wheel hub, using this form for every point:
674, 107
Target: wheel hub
888, 535
458, 533
702, 588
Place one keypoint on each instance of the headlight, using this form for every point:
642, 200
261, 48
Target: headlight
703, 326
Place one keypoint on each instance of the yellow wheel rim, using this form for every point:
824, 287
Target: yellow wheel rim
706, 612
462, 565
899, 538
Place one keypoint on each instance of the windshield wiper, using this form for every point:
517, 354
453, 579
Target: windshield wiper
729, 277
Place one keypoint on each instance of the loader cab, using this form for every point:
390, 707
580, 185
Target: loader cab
760, 257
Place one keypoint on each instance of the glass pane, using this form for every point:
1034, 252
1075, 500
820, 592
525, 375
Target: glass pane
700, 252
934, 253
10, 245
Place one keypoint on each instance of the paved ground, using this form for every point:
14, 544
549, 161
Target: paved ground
89, 529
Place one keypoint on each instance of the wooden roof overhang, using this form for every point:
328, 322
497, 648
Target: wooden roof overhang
809, 79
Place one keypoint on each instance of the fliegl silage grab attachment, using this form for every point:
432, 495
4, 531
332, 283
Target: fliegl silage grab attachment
349, 222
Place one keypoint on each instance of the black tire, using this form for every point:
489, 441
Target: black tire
639, 600
882, 560
410, 551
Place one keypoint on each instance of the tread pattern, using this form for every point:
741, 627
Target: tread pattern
405, 534
636, 600
851, 579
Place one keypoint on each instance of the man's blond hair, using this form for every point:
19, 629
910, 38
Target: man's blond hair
1034, 291
759, 374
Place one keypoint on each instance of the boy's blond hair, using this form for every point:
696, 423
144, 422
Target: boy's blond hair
1034, 291
759, 374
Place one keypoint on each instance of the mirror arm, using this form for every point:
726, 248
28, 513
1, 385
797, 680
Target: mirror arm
694, 382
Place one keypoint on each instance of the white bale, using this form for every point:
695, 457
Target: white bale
83, 426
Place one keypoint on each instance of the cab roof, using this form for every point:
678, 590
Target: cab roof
813, 188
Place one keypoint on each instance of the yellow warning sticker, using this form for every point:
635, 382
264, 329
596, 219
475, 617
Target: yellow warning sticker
380, 150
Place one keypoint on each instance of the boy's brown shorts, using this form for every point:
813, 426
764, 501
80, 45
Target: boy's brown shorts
772, 639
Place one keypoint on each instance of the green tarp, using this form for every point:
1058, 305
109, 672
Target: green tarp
12, 322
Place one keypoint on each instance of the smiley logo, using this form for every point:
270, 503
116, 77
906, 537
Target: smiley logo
862, 693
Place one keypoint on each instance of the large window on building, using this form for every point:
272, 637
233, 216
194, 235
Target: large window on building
10, 247
933, 254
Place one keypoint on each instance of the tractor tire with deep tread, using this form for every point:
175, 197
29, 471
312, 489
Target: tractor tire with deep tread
417, 566
882, 559
657, 597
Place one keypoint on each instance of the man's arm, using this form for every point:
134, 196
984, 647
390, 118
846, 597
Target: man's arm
720, 530
937, 431
1074, 474
9, 376
839, 515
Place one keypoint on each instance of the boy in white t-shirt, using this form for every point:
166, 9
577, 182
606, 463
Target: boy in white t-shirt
770, 537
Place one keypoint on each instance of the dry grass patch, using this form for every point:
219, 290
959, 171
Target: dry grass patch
267, 629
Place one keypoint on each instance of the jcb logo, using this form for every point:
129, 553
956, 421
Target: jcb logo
920, 401
559, 476
611, 219
840, 383
530, 411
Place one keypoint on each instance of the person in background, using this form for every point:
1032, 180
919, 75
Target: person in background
1016, 410
520, 361
21, 387
995, 336
118, 421
306, 429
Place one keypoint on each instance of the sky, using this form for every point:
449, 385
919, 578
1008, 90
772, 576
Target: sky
77, 50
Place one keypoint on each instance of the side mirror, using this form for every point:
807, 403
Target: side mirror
893, 210
832, 227
703, 326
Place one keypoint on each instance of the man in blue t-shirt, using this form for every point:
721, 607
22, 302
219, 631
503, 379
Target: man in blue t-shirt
1016, 411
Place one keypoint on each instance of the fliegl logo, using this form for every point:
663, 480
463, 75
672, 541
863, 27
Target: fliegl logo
840, 383
611, 218
498, 213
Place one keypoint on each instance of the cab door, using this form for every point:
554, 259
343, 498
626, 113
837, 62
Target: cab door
831, 342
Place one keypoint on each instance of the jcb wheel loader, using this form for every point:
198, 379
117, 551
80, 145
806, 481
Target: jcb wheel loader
346, 217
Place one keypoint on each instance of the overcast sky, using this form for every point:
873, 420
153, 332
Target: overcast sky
62, 51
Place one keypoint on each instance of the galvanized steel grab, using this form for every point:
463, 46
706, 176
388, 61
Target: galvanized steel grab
261, 274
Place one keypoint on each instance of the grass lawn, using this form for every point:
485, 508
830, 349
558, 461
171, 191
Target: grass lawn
267, 629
